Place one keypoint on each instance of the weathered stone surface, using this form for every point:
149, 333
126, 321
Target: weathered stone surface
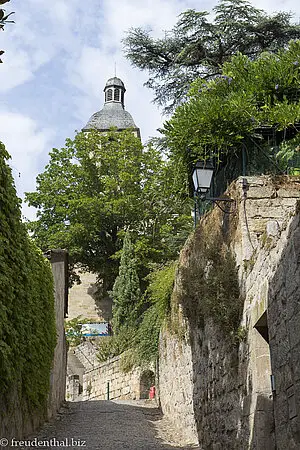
294, 327
108, 381
228, 386
176, 393
84, 300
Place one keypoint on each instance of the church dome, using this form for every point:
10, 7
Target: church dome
114, 82
113, 113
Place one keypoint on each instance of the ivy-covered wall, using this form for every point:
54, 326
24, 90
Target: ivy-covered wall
27, 319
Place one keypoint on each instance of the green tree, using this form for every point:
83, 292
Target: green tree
232, 111
126, 291
197, 47
98, 186
88, 193
166, 220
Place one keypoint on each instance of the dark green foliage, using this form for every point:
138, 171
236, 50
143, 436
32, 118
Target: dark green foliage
89, 191
27, 320
126, 291
98, 186
158, 295
141, 342
111, 346
235, 111
210, 287
197, 47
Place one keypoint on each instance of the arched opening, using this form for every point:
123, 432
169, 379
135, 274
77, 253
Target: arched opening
146, 381
109, 95
117, 95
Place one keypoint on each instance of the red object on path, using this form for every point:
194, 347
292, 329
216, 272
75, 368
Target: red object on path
152, 392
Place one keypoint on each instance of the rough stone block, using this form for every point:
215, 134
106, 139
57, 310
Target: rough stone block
295, 359
260, 192
281, 434
281, 409
272, 228
290, 193
294, 433
291, 398
294, 330
283, 345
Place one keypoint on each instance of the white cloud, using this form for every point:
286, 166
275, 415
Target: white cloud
278, 5
28, 146
15, 71
81, 40
95, 65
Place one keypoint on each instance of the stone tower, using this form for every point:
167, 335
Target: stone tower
113, 113
83, 299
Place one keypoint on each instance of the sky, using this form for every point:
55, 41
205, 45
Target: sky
58, 57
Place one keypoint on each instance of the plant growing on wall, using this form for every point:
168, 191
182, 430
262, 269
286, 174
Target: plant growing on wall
222, 113
209, 284
27, 318
141, 342
158, 296
288, 155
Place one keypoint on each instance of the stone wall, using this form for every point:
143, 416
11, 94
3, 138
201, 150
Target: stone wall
234, 404
85, 300
108, 381
59, 263
176, 385
283, 300
86, 353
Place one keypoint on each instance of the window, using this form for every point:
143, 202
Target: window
117, 95
109, 95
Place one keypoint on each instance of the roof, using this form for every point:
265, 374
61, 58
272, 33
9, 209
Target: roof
111, 115
114, 82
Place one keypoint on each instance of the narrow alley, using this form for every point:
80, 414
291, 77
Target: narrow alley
105, 425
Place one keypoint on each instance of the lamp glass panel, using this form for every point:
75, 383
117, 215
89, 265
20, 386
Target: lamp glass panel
202, 179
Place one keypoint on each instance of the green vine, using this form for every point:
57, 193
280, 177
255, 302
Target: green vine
27, 318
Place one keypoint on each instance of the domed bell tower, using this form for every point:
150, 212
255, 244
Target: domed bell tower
113, 113
114, 91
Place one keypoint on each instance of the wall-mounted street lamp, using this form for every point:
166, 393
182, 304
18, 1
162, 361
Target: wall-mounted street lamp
202, 176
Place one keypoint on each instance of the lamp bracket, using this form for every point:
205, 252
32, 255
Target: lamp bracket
202, 197
227, 200
217, 199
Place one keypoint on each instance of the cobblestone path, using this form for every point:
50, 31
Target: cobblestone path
105, 425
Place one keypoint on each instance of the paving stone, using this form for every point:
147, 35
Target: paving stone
106, 425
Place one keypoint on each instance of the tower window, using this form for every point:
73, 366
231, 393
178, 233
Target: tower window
117, 95
109, 95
